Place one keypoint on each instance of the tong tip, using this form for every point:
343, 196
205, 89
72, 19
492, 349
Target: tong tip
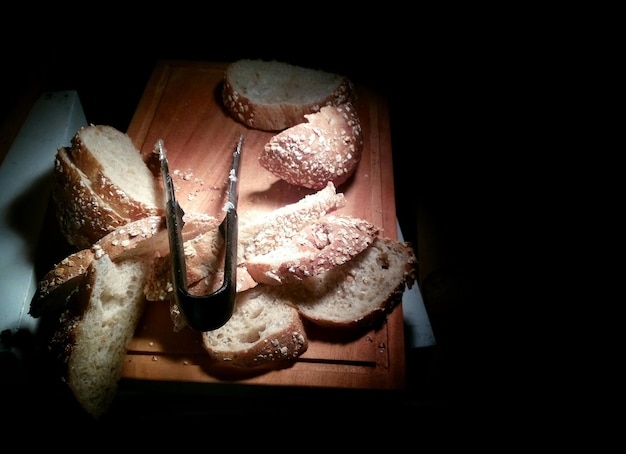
160, 149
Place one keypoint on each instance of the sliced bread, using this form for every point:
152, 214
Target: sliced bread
265, 328
319, 246
263, 331
54, 288
83, 215
359, 293
273, 95
95, 331
117, 171
144, 238
260, 234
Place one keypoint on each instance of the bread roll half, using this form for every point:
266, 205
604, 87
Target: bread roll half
326, 148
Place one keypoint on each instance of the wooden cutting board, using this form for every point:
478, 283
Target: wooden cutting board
182, 106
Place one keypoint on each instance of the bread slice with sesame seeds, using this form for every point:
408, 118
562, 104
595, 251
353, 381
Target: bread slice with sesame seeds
83, 215
117, 171
321, 245
95, 329
361, 292
325, 148
273, 95
260, 233
100, 183
144, 239
263, 331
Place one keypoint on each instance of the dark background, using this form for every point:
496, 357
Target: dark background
446, 84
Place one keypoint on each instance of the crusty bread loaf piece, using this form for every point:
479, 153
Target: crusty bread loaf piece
116, 172
326, 148
321, 245
58, 285
260, 234
263, 331
83, 215
272, 95
54, 288
95, 331
359, 293
100, 183
144, 238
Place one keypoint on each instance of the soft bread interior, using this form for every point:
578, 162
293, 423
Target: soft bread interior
255, 317
263, 329
358, 288
122, 164
115, 300
272, 82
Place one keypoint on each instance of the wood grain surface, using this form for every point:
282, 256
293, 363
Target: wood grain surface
182, 106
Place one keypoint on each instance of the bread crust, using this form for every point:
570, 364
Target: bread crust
326, 148
56, 288
248, 82
86, 155
91, 340
360, 293
83, 216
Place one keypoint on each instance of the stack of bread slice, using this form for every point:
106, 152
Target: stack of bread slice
100, 183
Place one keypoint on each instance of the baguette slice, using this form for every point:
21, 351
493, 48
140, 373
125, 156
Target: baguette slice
93, 335
59, 283
321, 245
272, 95
359, 293
260, 234
82, 214
145, 238
327, 147
117, 171
263, 331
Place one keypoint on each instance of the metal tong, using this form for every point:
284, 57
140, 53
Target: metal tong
206, 312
